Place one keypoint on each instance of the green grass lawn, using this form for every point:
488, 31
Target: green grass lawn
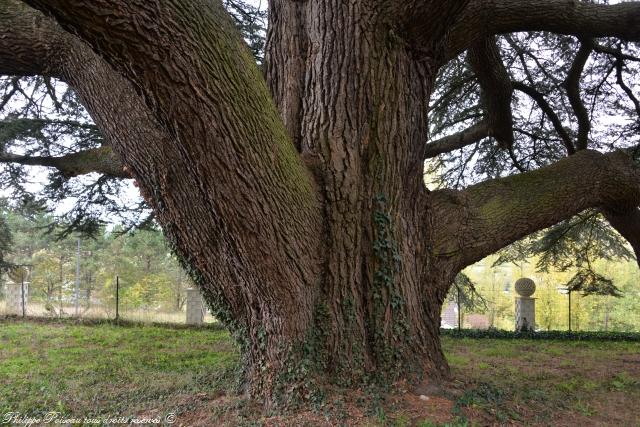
548, 382
106, 370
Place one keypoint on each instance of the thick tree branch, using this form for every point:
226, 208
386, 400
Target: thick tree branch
572, 85
495, 88
627, 223
498, 212
100, 160
484, 18
425, 22
201, 71
494, 81
496, 91
42, 46
211, 156
30, 44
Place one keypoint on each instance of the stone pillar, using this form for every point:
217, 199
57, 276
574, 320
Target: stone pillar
449, 318
17, 290
195, 307
13, 296
525, 305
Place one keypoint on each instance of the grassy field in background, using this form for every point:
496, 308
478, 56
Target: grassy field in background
151, 371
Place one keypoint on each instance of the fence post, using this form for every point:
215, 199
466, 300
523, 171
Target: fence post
117, 298
459, 310
77, 290
569, 311
24, 311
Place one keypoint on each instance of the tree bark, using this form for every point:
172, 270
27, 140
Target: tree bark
301, 213
362, 130
488, 216
587, 20
236, 193
626, 221
496, 89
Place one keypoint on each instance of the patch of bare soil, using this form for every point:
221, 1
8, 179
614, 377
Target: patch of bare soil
353, 409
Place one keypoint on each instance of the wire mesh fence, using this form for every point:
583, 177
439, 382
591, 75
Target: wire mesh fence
115, 301
149, 301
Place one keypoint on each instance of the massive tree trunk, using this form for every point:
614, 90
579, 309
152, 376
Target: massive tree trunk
353, 97
305, 221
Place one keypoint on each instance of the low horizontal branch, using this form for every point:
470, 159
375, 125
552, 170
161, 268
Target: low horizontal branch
98, 160
499, 212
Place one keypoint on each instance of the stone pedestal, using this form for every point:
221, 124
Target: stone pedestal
14, 297
525, 305
525, 314
449, 318
195, 307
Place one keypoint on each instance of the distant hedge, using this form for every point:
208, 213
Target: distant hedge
542, 335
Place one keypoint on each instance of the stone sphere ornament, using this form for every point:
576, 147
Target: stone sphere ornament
525, 287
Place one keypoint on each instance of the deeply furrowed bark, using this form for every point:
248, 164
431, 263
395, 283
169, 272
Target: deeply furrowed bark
258, 282
312, 233
359, 121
